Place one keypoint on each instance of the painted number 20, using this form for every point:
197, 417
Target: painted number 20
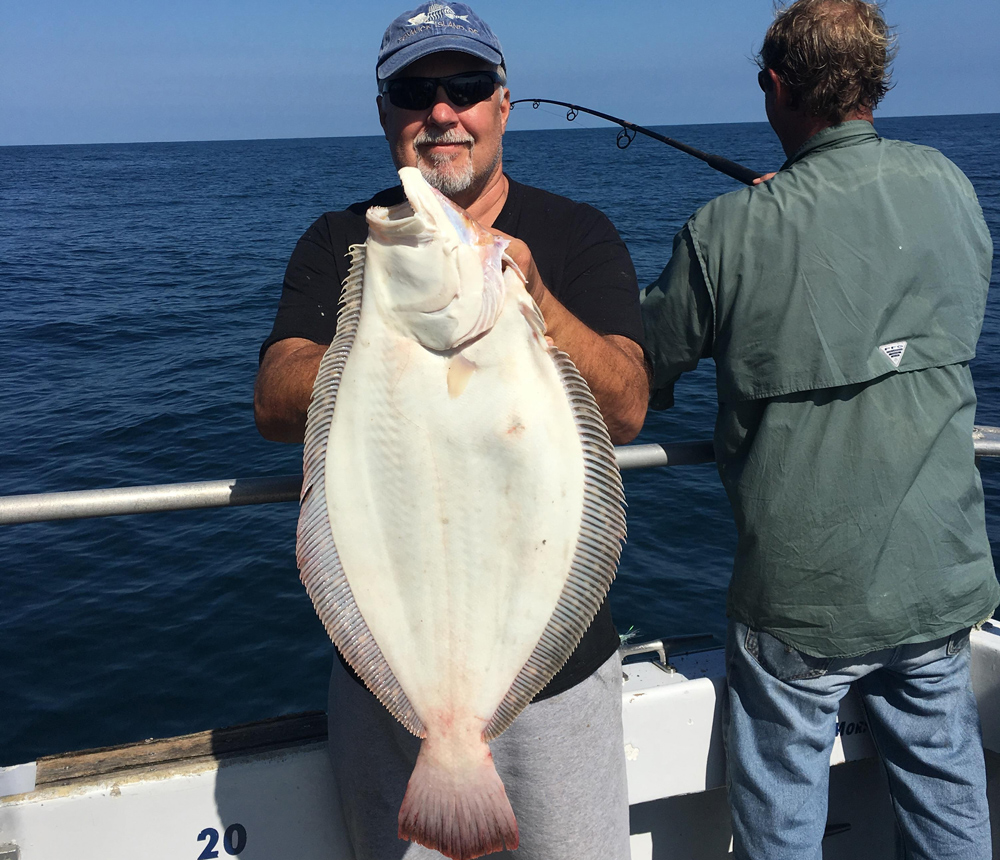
234, 840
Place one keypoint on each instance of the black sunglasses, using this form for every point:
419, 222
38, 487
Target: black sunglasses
764, 81
463, 89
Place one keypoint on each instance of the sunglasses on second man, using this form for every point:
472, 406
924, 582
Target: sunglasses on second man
764, 80
463, 89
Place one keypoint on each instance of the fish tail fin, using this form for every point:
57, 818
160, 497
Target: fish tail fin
462, 812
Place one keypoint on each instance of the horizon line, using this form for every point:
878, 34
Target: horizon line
568, 125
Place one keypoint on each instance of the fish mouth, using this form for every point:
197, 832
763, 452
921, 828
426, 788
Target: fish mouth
427, 210
437, 209
442, 268
400, 212
396, 225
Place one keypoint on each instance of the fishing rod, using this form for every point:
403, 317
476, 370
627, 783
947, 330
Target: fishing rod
628, 132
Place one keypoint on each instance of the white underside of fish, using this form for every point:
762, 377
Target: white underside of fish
461, 523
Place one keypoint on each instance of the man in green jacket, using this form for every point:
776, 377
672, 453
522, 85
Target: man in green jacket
841, 301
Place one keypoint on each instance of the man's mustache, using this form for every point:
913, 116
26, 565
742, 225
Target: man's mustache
428, 137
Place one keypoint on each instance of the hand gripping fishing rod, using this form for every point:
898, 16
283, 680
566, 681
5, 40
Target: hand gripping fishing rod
629, 129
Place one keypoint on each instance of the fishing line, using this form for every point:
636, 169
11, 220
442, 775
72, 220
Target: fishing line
628, 132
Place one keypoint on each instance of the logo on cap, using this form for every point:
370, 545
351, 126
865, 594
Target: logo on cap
436, 12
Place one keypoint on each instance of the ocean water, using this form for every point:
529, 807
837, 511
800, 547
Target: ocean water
137, 283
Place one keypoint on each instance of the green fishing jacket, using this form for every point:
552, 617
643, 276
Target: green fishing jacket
841, 302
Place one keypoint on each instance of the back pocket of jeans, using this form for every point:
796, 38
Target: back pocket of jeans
782, 661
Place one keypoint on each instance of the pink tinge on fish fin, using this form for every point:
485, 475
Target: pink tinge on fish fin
462, 812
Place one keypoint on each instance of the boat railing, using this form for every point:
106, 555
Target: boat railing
234, 492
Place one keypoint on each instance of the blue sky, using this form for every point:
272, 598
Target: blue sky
116, 71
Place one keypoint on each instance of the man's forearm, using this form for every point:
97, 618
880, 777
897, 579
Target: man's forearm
284, 388
612, 365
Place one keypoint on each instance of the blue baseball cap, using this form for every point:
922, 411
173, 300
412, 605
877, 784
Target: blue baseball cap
434, 27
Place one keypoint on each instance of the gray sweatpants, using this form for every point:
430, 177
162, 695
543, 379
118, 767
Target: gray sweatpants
562, 763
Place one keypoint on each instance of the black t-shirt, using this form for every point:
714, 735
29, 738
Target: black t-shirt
580, 258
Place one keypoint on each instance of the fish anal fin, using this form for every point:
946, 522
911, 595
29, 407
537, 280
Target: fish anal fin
458, 808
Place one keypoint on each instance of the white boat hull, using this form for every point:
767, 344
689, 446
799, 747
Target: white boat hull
261, 795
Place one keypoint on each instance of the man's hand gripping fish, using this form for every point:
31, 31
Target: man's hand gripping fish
462, 512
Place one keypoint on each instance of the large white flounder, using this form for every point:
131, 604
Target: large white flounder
461, 514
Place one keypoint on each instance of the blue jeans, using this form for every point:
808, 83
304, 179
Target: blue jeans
780, 724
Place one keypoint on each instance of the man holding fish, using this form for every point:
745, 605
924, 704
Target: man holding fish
841, 300
443, 105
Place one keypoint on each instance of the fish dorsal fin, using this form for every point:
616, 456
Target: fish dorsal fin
598, 548
319, 563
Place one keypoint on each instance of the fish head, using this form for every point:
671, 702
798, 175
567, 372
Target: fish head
435, 272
